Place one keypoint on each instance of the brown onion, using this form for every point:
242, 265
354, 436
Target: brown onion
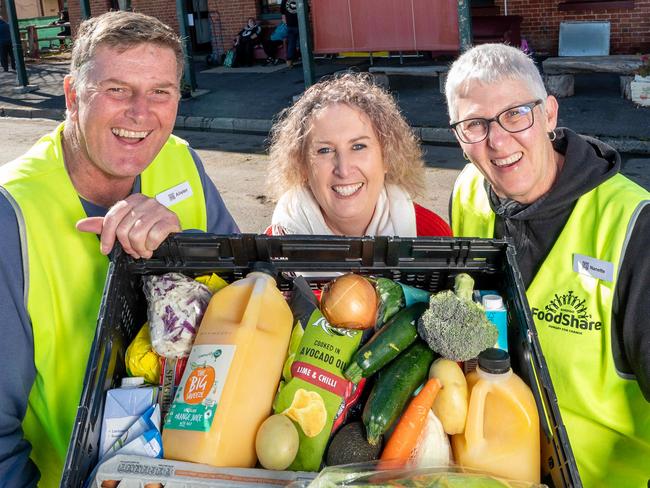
350, 301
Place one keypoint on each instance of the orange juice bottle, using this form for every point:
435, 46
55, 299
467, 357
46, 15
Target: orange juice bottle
232, 375
502, 430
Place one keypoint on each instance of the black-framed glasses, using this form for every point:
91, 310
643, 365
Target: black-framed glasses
513, 119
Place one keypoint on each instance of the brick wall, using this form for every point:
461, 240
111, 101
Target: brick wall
165, 10
96, 7
629, 34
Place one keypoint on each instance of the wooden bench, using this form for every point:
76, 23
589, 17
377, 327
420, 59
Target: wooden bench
381, 73
558, 72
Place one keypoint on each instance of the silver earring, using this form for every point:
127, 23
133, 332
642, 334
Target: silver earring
465, 156
552, 135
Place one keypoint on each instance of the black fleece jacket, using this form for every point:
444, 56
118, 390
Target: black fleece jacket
534, 229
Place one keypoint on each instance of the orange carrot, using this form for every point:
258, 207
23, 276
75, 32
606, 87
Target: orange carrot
408, 429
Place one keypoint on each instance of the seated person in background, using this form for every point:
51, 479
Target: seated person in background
345, 162
581, 232
64, 21
245, 42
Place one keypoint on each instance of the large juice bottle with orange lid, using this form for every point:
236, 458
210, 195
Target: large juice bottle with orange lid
502, 429
232, 375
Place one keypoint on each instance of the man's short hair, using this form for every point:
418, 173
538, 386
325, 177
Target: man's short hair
120, 30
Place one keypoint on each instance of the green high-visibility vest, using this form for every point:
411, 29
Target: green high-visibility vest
64, 278
605, 415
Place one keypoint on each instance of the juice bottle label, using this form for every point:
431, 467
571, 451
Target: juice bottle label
200, 390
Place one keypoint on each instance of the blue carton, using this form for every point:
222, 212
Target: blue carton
497, 314
123, 407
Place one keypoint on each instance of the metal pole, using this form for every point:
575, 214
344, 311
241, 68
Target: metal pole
305, 44
464, 25
188, 71
85, 9
17, 47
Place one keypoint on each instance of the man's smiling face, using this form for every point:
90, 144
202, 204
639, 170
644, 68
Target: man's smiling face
126, 110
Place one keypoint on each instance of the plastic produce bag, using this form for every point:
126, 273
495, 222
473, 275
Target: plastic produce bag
176, 305
368, 474
141, 359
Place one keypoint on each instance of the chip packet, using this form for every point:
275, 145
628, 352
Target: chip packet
313, 396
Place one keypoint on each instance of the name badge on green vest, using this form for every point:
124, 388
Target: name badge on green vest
175, 194
596, 268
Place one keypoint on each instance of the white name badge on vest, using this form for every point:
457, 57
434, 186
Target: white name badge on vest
596, 268
175, 194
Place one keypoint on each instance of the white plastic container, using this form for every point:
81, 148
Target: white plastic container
502, 430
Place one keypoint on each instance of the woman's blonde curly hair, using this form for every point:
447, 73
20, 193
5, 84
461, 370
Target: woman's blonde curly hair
290, 133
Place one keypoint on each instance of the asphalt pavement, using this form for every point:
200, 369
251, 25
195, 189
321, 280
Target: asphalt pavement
247, 100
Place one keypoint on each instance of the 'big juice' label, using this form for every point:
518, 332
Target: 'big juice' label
200, 389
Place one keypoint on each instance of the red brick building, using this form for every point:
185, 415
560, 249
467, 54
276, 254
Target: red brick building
630, 19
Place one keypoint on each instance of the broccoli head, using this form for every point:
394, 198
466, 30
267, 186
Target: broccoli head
454, 326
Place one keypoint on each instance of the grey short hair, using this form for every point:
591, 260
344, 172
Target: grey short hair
489, 64
120, 30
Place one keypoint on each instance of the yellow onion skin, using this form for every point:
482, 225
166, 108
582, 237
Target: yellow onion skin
350, 302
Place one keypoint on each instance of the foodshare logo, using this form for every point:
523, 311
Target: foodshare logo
568, 313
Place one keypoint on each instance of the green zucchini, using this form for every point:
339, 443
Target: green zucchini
399, 333
393, 388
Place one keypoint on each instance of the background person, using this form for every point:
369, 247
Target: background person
112, 168
64, 21
345, 162
582, 232
289, 10
6, 51
249, 37
245, 42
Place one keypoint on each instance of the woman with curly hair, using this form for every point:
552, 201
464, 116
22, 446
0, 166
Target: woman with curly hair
343, 161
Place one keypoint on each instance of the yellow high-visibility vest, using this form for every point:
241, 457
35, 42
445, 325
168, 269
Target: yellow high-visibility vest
605, 415
64, 276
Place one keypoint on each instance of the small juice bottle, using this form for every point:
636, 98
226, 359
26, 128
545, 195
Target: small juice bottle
502, 430
232, 375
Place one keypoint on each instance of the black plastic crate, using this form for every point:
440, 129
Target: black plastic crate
427, 263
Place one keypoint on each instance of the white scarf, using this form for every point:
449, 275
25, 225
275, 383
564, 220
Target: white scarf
298, 212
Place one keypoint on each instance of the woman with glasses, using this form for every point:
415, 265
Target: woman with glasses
343, 161
581, 232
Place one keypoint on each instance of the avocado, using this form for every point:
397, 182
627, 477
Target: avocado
349, 445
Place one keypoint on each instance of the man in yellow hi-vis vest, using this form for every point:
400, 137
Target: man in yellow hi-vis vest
113, 169
582, 234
